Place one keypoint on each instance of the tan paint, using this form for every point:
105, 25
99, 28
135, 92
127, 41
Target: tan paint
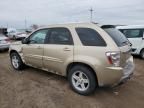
56, 58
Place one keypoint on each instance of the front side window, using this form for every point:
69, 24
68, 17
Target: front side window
132, 33
89, 37
38, 37
60, 36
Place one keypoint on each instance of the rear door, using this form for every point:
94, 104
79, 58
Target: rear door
58, 50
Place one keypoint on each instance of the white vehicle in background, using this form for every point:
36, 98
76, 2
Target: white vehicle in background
11, 32
17, 34
135, 34
4, 42
20, 35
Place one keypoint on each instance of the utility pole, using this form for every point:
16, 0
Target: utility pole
91, 15
7, 25
25, 24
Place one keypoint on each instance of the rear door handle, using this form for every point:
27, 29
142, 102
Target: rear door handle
66, 49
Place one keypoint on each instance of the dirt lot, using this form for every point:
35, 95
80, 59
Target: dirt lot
33, 88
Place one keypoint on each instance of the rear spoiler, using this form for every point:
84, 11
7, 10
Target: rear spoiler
108, 26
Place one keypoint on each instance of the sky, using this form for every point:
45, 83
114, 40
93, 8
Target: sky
14, 13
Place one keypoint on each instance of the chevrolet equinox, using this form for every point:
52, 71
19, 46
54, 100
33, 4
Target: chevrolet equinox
87, 54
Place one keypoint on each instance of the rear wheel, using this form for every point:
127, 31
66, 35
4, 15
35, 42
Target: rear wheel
142, 54
82, 80
16, 61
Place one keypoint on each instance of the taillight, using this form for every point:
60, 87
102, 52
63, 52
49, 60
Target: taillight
113, 58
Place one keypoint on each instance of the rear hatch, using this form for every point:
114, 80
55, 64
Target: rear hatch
121, 41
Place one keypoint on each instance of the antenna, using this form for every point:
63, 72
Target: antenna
91, 14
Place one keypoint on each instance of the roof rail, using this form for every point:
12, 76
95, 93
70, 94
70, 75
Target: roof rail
108, 26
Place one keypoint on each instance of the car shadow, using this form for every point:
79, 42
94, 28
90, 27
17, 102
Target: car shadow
41, 75
4, 50
137, 57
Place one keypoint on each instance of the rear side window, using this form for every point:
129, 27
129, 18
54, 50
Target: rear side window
90, 37
60, 36
132, 33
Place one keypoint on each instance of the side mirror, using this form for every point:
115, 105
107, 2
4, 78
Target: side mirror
24, 41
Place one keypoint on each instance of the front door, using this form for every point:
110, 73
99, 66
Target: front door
33, 50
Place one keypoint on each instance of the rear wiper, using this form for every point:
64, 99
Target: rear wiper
126, 43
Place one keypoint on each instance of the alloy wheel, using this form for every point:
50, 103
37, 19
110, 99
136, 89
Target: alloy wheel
15, 61
80, 81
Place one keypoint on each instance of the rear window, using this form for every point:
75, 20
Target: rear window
90, 37
117, 36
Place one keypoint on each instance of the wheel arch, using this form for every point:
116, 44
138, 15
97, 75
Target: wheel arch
83, 64
13, 51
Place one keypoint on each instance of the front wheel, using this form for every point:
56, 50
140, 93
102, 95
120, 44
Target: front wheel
82, 80
16, 61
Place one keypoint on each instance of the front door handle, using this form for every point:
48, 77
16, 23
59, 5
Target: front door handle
66, 49
39, 47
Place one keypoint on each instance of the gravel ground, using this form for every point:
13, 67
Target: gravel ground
33, 88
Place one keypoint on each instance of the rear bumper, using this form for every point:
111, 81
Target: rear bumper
127, 72
123, 80
113, 76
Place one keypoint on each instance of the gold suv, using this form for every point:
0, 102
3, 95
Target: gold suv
87, 54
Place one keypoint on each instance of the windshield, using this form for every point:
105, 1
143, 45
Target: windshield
117, 36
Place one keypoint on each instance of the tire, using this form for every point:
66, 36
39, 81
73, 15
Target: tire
142, 54
16, 61
82, 80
